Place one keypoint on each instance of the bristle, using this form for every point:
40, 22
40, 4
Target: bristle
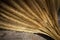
34, 16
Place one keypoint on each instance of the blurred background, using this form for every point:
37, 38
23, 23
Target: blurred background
59, 16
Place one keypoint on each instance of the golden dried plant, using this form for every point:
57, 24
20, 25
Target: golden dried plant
34, 16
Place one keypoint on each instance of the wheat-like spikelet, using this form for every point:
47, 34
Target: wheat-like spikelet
34, 16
